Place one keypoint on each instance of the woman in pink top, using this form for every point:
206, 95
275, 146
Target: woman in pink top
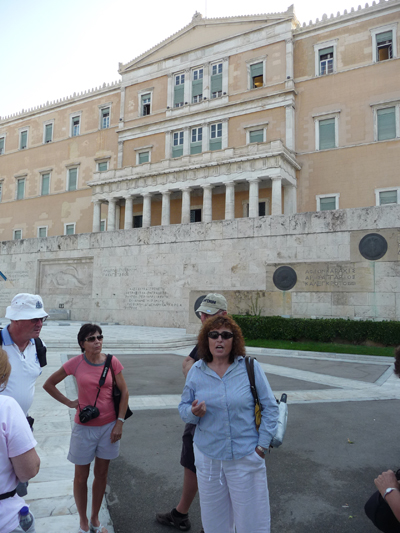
93, 437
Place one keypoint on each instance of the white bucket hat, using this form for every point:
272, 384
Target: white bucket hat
25, 306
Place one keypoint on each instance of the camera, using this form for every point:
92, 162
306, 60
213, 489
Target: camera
88, 413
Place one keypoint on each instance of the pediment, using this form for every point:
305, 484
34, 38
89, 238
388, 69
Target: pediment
203, 32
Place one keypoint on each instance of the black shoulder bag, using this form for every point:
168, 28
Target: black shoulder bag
116, 393
379, 512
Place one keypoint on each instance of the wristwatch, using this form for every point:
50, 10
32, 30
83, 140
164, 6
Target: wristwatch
388, 491
261, 449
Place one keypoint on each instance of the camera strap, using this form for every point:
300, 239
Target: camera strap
103, 376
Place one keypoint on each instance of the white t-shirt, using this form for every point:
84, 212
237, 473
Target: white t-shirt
25, 369
16, 438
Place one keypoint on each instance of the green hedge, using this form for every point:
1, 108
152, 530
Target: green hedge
386, 332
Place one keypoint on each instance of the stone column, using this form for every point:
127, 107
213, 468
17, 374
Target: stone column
111, 214
96, 215
120, 153
290, 200
146, 210
206, 137
224, 143
206, 80
289, 59
117, 215
166, 208
253, 197
188, 86
276, 207
225, 75
185, 206
230, 201
290, 134
207, 203
122, 108
128, 224
170, 95
186, 141
168, 144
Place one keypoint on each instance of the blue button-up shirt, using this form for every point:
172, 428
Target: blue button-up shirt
227, 430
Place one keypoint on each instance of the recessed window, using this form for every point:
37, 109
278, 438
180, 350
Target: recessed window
102, 166
387, 196
104, 118
137, 221
17, 234
2, 145
195, 215
145, 104
45, 186
197, 85
69, 229
177, 147
20, 188
386, 123
257, 75
179, 90
262, 209
72, 184
103, 224
326, 61
216, 136
143, 157
23, 139
327, 202
384, 45
42, 232
48, 133
196, 142
256, 136
1, 191
75, 126
327, 134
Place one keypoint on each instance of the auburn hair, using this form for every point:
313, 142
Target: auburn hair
218, 322
5, 369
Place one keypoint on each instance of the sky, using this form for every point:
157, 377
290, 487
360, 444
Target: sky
53, 48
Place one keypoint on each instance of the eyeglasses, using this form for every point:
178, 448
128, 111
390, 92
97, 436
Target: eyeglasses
92, 338
35, 320
224, 335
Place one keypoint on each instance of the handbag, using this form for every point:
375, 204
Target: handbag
379, 512
282, 405
116, 393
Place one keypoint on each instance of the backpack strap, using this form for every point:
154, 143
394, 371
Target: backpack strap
250, 372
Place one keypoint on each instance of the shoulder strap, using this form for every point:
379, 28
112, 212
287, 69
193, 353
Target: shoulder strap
107, 365
250, 372
41, 352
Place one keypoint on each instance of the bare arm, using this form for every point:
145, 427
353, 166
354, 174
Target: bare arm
26, 465
116, 432
187, 364
50, 387
385, 481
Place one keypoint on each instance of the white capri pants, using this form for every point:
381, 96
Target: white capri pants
233, 493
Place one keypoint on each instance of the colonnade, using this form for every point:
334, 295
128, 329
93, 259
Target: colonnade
113, 203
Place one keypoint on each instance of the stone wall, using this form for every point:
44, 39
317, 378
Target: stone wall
153, 276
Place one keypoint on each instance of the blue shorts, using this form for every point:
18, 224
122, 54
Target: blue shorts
88, 442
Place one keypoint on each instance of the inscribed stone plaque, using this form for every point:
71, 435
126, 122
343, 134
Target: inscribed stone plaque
328, 277
151, 298
66, 276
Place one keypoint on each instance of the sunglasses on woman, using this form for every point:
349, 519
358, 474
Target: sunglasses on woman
92, 338
224, 335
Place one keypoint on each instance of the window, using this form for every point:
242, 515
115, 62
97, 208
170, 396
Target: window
387, 196
179, 90
261, 209
327, 136
196, 143
137, 221
72, 184
197, 85
102, 166
69, 229
327, 202
45, 188
20, 188
216, 80
145, 104
256, 136
75, 126
103, 225
386, 123
48, 133
195, 215
104, 118
384, 42
1, 191
143, 157
42, 232
2, 144
216, 136
177, 148
23, 139
17, 234
256, 75
326, 61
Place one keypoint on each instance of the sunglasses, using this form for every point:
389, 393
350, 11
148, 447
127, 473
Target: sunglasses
224, 335
92, 338
35, 320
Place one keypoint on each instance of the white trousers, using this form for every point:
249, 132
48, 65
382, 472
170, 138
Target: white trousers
233, 493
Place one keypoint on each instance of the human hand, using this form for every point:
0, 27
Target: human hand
385, 481
260, 453
116, 432
73, 404
199, 409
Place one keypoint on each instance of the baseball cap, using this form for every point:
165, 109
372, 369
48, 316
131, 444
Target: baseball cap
212, 303
25, 306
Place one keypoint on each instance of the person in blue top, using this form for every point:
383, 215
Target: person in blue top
229, 451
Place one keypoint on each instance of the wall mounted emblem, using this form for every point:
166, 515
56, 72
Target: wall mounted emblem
284, 278
373, 246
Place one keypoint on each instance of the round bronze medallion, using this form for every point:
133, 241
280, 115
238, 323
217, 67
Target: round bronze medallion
373, 246
285, 278
198, 303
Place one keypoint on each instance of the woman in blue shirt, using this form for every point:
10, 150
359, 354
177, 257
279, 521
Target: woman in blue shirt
229, 451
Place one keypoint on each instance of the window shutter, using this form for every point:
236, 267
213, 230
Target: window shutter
49, 131
325, 51
216, 83
257, 136
383, 37
327, 204
177, 151
72, 179
45, 184
20, 189
386, 123
327, 134
143, 157
196, 148
256, 70
215, 144
197, 87
179, 94
387, 197
24, 135
1, 145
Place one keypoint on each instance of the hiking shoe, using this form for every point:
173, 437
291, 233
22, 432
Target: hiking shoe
171, 519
